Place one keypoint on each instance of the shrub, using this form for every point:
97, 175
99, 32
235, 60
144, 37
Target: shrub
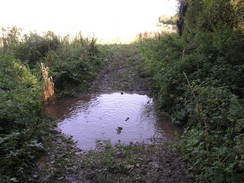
214, 143
73, 64
197, 78
20, 118
34, 47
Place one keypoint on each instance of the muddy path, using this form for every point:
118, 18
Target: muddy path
121, 72
134, 162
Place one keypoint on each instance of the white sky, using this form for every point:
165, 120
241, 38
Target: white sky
105, 19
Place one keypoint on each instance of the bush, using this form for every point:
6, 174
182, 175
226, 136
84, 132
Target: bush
35, 47
73, 63
214, 143
197, 78
20, 118
20, 94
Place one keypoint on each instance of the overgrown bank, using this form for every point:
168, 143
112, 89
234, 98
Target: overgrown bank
32, 150
24, 128
136, 162
198, 78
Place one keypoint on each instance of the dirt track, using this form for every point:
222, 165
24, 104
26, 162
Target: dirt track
121, 71
155, 163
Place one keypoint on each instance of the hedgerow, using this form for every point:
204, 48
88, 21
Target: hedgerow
198, 79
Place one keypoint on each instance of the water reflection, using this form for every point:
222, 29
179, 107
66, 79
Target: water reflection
114, 117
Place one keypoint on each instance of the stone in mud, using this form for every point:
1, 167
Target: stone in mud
119, 129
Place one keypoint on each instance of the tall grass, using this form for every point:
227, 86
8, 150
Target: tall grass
48, 85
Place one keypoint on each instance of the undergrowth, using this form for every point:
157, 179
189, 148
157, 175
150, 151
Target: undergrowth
198, 79
72, 62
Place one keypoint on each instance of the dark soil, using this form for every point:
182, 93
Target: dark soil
149, 163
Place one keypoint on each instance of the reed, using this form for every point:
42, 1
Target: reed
47, 86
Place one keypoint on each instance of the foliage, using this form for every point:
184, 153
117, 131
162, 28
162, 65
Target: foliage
168, 19
20, 117
197, 78
23, 126
216, 142
33, 48
209, 15
72, 62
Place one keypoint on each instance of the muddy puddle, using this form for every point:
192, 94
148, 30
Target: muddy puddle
110, 118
